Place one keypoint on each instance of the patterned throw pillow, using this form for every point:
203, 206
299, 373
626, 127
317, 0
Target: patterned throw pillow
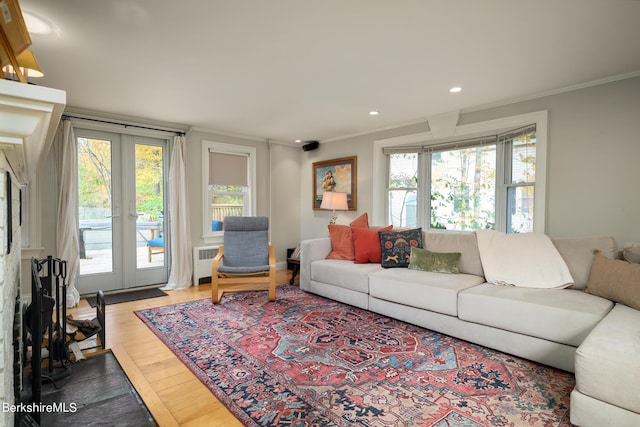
425, 260
396, 246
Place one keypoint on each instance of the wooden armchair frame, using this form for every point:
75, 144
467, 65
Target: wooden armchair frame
222, 283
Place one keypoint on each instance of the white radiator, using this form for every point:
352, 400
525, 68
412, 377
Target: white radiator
202, 256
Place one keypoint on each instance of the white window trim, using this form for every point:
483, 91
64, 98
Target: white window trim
215, 237
539, 118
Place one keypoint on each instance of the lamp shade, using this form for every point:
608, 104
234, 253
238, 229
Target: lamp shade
28, 63
334, 201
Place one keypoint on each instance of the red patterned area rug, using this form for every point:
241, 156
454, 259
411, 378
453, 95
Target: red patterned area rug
304, 360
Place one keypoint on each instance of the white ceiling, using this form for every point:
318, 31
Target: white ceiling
312, 70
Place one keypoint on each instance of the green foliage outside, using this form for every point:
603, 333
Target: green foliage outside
94, 173
226, 194
95, 178
463, 189
463, 185
149, 182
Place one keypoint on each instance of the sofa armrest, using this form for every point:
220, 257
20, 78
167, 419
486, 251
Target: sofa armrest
311, 250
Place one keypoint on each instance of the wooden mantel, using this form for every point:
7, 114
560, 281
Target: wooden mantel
29, 116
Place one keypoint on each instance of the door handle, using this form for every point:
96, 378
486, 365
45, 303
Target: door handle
133, 213
115, 213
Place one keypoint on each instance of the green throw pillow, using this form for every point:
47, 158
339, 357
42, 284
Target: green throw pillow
425, 260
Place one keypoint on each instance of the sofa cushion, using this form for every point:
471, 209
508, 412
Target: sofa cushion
396, 246
616, 280
425, 290
436, 262
342, 273
456, 241
607, 360
527, 260
578, 254
565, 316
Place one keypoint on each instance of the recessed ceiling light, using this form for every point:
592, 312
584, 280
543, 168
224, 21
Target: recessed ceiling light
36, 25
297, 140
455, 89
374, 113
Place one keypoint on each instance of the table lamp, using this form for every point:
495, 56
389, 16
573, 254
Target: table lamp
332, 200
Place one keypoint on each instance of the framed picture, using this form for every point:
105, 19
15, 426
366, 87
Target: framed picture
335, 175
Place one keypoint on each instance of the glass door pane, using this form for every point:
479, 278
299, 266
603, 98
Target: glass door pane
146, 232
95, 205
99, 211
149, 202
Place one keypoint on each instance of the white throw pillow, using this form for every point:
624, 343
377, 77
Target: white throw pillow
528, 260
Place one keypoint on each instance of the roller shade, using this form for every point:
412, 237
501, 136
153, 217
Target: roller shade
228, 169
443, 146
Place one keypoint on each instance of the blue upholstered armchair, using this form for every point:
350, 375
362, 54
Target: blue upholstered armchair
245, 261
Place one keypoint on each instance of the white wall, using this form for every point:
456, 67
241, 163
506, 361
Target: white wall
285, 198
593, 154
592, 169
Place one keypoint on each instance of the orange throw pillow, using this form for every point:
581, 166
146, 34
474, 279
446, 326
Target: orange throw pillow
341, 239
366, 243
361, 222
341, 243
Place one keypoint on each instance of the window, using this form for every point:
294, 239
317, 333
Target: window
403, 189
480, 183
229, 183
463, 187
520, 182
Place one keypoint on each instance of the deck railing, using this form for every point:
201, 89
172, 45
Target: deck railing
218, 212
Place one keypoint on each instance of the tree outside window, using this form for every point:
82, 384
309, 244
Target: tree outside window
486, 184
403, 189
463, 186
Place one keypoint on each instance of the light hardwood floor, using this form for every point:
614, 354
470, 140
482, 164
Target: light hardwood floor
172, 393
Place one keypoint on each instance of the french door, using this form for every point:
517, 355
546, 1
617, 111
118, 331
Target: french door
121, 206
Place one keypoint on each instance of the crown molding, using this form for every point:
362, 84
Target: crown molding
552, 92
487, 106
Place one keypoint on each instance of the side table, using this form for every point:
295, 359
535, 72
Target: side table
295, 270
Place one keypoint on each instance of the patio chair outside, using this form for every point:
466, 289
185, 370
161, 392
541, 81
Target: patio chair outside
155, 245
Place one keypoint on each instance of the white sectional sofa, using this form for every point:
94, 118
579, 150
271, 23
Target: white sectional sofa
549, 326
